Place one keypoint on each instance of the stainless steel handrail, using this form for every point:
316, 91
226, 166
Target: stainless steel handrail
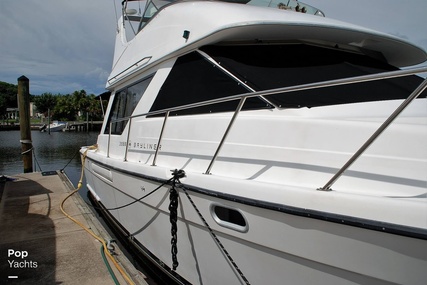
109, 139
224, 137
302, 87
160, 138
232, 76
309, 86
127, 140
377, 133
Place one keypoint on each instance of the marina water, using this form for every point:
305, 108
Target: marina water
53, 151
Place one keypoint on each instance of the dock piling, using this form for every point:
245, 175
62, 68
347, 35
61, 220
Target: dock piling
24, 122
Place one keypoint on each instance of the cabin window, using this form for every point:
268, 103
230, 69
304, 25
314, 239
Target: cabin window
265, 67
124, 104
193, 79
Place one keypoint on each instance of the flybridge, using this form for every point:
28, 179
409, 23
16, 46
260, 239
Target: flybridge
143, 11
292, 5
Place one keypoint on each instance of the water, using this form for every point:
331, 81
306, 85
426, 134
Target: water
56, 151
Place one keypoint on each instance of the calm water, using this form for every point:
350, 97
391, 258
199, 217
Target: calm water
52, 152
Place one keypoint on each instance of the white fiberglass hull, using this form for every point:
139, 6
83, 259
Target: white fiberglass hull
281, 245
54, 127
366, 232
261, 108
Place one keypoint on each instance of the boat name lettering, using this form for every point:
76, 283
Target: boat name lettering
138, 145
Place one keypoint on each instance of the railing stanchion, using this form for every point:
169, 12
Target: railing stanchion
377, 133
127, 139
160, 138
233, 119
109, 138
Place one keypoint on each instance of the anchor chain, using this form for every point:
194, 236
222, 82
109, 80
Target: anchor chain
173, 215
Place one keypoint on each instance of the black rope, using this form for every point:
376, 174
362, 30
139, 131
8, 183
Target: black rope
173, 209
218, 242
137, 200
173, 218
37, 162
70, 160
173, 215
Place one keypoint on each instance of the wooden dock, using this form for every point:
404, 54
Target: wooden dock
40, 245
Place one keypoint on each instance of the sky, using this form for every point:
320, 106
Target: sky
63, 46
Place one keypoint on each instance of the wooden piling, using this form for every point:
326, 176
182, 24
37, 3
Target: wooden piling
24, 122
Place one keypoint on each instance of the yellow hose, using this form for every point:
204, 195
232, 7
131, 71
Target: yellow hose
119, 268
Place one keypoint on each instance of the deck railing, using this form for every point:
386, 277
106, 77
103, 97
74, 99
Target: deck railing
265, 93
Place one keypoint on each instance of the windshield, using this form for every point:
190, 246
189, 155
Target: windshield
292, 5
140, 12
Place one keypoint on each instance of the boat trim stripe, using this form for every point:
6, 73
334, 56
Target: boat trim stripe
384, 227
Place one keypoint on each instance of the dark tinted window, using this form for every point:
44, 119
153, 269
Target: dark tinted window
265, 67
124, 103
193, 79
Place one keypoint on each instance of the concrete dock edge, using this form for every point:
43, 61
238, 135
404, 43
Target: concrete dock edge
39, 245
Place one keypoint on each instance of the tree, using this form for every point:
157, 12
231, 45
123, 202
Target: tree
87, 104
45, 102
94, 108
8, 97
79, 99
62, 107
68, 107
3, 107
65, 109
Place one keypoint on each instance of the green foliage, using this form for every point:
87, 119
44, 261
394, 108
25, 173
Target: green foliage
67, 107
45, 102
8, 97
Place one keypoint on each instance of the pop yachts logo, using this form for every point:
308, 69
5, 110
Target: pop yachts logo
18, 259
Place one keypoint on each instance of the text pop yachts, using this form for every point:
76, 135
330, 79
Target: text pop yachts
20, 254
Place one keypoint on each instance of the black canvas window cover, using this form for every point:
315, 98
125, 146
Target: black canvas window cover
192, 80
265, 67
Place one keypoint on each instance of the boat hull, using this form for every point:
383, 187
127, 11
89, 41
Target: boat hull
211, 96
279, 244
55, 127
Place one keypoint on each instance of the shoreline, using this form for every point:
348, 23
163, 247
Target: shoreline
93, 126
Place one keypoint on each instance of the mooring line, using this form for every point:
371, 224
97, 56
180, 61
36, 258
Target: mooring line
214, 236
37, 162
70, 160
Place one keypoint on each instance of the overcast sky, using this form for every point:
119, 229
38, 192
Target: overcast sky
67, 45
